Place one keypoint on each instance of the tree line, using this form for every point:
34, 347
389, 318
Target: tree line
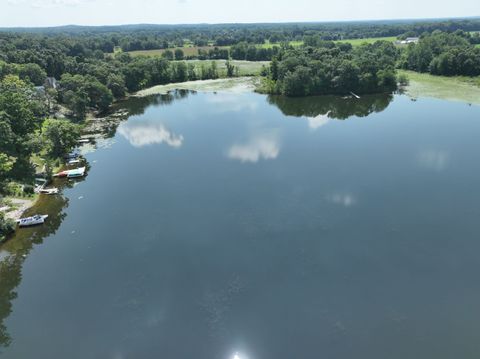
441, 53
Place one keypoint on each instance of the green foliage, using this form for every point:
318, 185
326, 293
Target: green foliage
403, 80
168, 54
179, 55
230, 68
21, 114
334, 69
79, 92
33, 73
60, 136
441, 53
6, 165
7, 226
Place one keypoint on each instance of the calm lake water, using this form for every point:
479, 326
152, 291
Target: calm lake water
233, 225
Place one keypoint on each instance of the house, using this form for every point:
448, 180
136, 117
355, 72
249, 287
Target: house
409, 40
51, 82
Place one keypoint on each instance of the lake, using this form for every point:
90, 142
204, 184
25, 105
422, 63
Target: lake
239, 226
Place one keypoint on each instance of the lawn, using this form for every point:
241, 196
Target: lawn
456, 88
370, 40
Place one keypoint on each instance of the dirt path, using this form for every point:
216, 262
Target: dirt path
21, 205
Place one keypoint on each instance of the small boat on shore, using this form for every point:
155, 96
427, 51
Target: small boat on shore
74, 162
71, 156
77, 172
32, 221
49, 190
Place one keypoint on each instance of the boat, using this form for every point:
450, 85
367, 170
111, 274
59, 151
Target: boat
71, 156
83, 140
32, 221
74, 162
77, 172
49, 190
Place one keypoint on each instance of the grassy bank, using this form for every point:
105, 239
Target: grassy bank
237, 84
458, 88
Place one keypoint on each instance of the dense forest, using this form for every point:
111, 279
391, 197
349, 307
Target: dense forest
333, 68
442, 53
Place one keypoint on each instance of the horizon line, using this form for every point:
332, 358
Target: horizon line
247, 23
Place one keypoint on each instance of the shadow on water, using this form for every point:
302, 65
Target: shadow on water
138, 105
14, 251
334, 107
106, 127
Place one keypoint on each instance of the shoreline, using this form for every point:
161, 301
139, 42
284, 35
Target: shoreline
235, 84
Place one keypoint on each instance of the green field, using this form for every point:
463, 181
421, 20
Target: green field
457, 88
187, 51
191, 50
245, 68
269, 45
370, 40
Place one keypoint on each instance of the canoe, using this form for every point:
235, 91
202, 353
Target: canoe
32, 221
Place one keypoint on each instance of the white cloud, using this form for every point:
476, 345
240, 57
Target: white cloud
433, 159
264, 147
140, 134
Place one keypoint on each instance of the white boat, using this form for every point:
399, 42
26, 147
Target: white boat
49, 190
77, 172
74, 162
32, 221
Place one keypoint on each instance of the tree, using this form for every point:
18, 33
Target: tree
77, 102
230, 69
179, 55
168, 54
20, 116
33, 73
6, 165
7, 226
60, 136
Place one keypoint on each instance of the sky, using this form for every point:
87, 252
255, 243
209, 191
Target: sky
31, 13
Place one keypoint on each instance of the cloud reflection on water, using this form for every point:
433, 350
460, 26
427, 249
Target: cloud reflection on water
143, 133
229, 102
342, 199
318, 121
266, 147
433, 159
